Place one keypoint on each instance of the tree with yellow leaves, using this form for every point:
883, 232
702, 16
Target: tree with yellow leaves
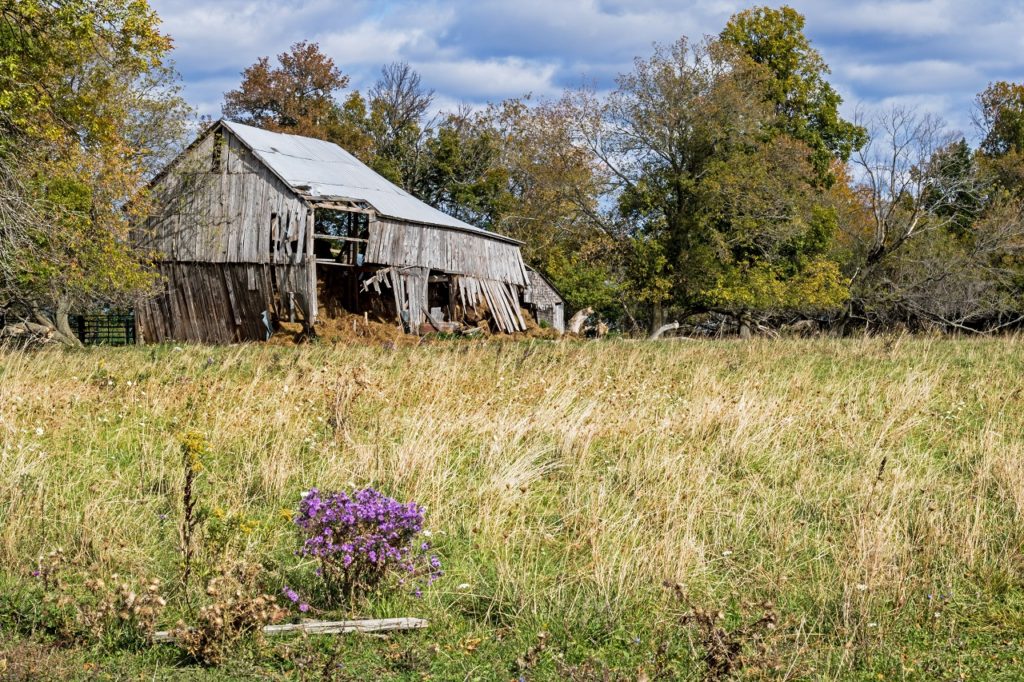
88, 109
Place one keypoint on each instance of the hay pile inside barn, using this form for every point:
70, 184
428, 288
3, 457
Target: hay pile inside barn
345, 328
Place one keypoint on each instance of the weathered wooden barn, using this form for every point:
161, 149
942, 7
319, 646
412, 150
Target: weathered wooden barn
249, 227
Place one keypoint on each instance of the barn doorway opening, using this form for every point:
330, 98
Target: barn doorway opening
340, 238
339, 246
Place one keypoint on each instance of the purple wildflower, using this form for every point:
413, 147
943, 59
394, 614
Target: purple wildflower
363, 538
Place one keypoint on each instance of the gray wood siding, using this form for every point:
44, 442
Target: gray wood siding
548, 304
214, 302
242, 214
452, 251
228, 245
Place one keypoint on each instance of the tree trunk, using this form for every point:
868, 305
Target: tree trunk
59, 324
745, 323
64, 325
657, 318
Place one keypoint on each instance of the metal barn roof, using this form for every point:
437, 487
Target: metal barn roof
323, 170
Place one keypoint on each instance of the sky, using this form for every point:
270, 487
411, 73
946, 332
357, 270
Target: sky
933, 54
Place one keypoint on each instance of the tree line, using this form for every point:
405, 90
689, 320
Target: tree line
717, 183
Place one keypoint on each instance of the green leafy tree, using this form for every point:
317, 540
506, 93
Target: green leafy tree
462, 173
1001, 122
806, 104
352, 133
719, 216
88, 108
954, 193
1002, 118
772, 235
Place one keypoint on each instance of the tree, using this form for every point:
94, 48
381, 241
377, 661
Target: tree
401, 100
297, 96
903, 183
1001, 122
353, 134
806, 104
941, 246
954, 192
772, 234
554, 206
89, 107
1002, 118
720, 216
462, 173
397, 125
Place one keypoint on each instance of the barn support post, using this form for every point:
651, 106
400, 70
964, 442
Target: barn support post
310, 272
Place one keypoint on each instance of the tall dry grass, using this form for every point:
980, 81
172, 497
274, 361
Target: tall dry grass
844, 479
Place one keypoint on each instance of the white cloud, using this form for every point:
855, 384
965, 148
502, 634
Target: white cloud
926, 18
478, 80
936, 53
374, 42
925, 76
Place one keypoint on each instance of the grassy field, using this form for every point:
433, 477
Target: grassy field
852, 508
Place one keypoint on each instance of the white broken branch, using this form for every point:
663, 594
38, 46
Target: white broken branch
576, 323
662, 329
327, 627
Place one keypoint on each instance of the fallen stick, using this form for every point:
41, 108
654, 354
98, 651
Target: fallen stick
327, 627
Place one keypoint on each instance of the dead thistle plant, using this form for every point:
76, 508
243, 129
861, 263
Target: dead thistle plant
237, 610
726, 651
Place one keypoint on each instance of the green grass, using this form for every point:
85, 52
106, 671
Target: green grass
871, 490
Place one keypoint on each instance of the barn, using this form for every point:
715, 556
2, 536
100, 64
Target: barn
248, 227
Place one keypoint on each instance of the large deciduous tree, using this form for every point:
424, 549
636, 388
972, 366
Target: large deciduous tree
718, 209
806, 103
88, 108
297, 96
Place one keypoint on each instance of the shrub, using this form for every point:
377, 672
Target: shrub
237, 610
122, 612
746, 648
364, 540
79, 606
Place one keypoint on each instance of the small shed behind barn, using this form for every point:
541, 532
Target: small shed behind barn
545, 301
251, 226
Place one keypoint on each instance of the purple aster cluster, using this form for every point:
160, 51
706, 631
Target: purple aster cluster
364, 538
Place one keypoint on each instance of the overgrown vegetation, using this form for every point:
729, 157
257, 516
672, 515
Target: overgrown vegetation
717, 181
822, 509
89, 109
